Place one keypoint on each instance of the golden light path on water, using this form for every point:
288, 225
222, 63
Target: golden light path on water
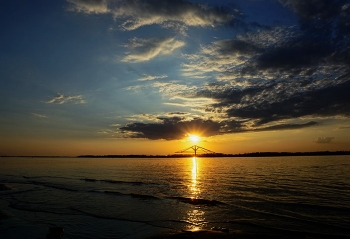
196, 216
194, 189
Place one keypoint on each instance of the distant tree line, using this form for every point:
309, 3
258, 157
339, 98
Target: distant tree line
254, 154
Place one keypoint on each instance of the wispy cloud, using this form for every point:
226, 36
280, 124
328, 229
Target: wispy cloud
147, 49
134, 14
221, 56
39, 115
61, 99
88, 6
172, 89
115, 125
150, 77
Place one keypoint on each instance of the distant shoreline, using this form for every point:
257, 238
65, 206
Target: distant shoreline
253, 154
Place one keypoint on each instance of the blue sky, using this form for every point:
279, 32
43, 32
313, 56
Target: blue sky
119, 77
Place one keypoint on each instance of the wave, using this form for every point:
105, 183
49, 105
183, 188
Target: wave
105, 216
142, 196
134, 195
315, 207
55, 186
62, 187
193, 201
89, 179
113, 193
120, 182
111, 181
38, 177
198, 201
38, 207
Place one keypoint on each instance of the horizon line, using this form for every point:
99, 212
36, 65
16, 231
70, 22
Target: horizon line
250, 154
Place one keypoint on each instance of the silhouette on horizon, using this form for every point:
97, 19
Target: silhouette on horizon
195, 148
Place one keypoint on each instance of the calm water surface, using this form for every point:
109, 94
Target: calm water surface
133, 198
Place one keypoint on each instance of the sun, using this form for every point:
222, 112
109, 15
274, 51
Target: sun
194, 138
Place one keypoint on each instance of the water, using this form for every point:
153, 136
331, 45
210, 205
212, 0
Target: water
135, 198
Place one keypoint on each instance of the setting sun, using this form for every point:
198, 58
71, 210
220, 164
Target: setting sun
194, 138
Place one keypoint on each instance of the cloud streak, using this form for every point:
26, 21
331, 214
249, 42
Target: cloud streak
61, 99
39, 115
146, 49
150, 77
88, 6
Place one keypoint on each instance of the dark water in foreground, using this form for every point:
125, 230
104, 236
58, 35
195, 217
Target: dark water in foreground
133, 198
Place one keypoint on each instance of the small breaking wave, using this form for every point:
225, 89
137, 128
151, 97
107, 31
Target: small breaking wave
120, 182
111, 181
44, 176
198, 201
143, 196
114, 193
134, 195
51, 185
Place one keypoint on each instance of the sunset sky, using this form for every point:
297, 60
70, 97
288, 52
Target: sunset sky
140, 76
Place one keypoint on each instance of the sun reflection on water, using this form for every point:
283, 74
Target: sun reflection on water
195, 217
193, 187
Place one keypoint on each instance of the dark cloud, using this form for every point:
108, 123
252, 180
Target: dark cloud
343, 27
232, 46
274, 101
324, 140
314, 61
172, 128
321, 40
315, 9
300, 54
287, 126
